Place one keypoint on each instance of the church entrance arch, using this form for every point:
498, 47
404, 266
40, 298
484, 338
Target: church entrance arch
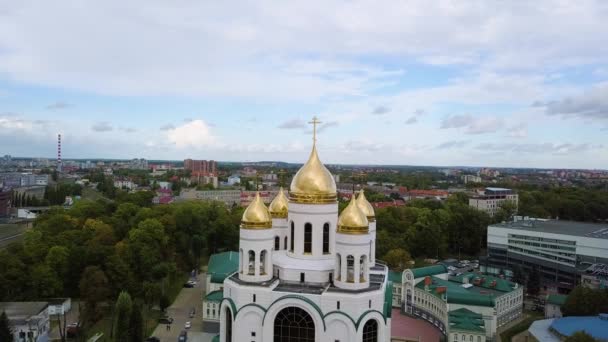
293, 324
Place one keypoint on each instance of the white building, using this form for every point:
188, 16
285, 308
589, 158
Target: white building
29, 320
124, 184
492, 199
234, 179
471, 179
304, 273
479, 303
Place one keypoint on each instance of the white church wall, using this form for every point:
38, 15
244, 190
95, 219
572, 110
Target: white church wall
317, 215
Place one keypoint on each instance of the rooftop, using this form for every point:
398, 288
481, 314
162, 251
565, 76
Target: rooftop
214, 296
556, 299
466, 320
572, 228
429, 270
596, 326
222, 265
20, 312
395, 276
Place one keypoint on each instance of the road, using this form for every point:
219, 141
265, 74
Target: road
180, 311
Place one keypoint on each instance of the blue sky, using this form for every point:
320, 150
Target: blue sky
447, 83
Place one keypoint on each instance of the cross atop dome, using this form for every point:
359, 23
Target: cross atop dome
315, 121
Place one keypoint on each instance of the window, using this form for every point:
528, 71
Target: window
285, 243
253, 334
470, 338
350, 269
338, 305
293, 324
369, 305
254, 298
362, 264
326, 238
307, 238
291, 243
302, 277
228, 325
370, 331
263, 262
277, 243
251, 268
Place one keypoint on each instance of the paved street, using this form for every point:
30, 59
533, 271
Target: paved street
180, 311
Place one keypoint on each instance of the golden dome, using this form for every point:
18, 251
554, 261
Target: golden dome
313, 183
256, 216
278, 206
352, 220
366, 207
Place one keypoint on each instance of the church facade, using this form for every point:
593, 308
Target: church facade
306, 273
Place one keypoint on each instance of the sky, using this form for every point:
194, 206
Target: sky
479, 83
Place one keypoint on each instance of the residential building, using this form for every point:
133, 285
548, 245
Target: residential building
471, 179
201, 180
553, 305
124, 183
469, 304
306, 273
561, 251
138, 164
220, 266
59, 306
29, 320
5, 203
229, 197
492, 199
201, 167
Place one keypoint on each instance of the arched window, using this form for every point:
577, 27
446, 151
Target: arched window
350, 269
291, 243
338, 271
307, 238
251, 265
326, 238
285, 243
293, 324
241, 263
277, 243
370, 331
263, 262
228, 325
362, 266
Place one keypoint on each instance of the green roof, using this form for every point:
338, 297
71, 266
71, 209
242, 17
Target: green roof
216, 338
457, 294
556, 299
222, 265
388, 299
429, 271
501, 285
466, 320
214, 296
395, 276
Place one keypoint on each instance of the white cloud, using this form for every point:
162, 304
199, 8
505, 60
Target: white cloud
102, 126
472, 125
196, 134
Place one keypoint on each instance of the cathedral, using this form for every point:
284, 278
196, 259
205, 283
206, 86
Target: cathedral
306, 273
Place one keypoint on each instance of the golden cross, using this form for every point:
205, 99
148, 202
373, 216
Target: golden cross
314, 123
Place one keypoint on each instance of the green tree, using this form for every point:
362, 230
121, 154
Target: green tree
136, 324
6, 330
122, 318
94, 289
533, 285
164, 302
580, 336
397, 259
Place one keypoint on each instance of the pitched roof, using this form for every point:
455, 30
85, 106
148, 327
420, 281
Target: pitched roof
214, 296
455, 293
466, 320
556, 299
395, 276
222, 265
429, 270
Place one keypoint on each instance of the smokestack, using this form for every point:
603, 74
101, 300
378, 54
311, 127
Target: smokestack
59, 164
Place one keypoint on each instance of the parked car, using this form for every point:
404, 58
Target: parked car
183, 336
188, 325
153, 339
188, 285
165, 320
72, 330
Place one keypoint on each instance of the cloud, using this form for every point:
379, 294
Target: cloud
10, 121
167, 127
102, 126
419, 112
472, 125
293, 124
539, 148
412, 120
456, 121
195, 133
381, 110
591, 104
518, 131
453, 144
58, 105
327, 125
128, 129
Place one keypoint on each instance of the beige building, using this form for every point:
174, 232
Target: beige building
491, 199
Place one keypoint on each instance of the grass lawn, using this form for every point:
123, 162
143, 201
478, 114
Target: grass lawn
8, 230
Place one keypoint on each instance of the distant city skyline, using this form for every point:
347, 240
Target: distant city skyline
493, 84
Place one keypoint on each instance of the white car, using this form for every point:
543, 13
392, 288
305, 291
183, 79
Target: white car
188, 325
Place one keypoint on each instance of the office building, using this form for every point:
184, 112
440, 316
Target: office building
491, 199
29, 320
562, 251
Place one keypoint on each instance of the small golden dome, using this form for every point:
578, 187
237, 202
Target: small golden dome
366, 207
352, 220
256, 216
313, 183
278, 206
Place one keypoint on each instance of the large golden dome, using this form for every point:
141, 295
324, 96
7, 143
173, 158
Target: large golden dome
278, 206
352, 220
313, 183
256, 216
366, 207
